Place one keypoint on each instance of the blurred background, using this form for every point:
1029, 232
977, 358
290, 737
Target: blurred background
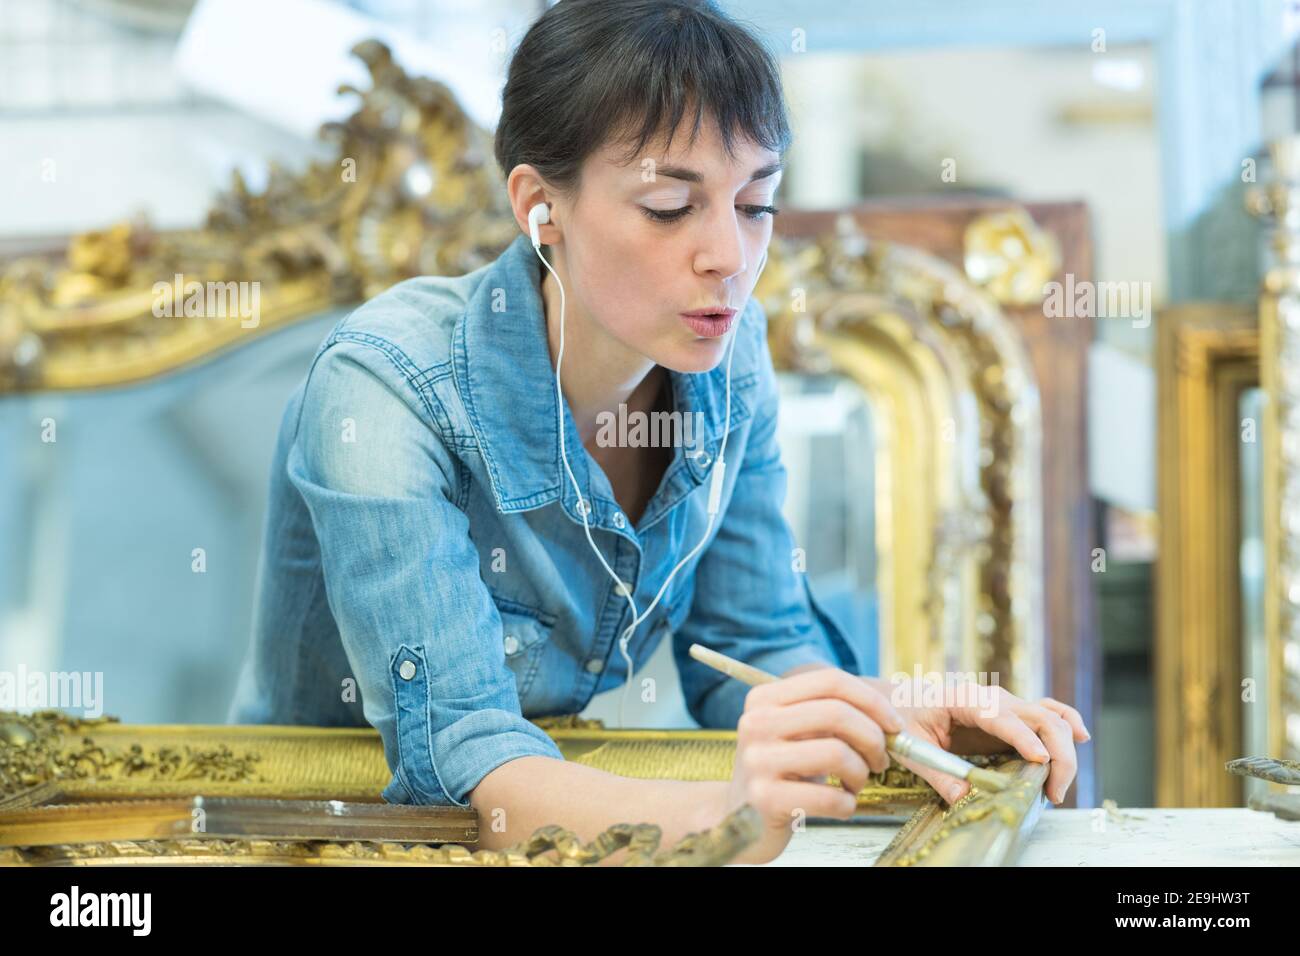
1151, 116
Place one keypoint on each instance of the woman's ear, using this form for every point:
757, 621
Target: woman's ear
527, 191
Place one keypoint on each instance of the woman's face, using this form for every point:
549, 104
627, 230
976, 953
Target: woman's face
666, 234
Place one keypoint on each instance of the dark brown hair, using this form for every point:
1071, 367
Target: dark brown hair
592, 72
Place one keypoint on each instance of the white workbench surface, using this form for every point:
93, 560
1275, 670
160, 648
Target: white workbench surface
1140, 837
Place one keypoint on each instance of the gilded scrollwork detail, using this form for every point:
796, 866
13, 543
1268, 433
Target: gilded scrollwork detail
43, 748
1010, 256
410, 190
548, 846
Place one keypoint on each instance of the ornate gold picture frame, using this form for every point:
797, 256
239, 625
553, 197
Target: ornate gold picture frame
98, 791
1208, 354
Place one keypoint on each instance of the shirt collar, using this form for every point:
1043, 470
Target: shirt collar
506, 380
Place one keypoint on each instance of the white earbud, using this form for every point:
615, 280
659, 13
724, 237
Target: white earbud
539, 214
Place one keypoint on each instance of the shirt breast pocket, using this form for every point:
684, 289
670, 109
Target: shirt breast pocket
525, 633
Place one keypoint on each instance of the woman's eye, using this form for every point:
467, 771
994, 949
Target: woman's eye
754, 213
665, 215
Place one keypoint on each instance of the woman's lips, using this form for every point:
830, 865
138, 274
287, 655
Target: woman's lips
709, 323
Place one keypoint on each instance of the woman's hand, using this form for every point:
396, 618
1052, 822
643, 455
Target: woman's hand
793, 733
967, 718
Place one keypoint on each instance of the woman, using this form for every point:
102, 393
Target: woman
453, 533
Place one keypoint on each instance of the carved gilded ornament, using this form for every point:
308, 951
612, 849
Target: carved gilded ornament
412, 190
1010, 256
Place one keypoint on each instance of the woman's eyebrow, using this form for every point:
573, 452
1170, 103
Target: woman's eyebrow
691, 176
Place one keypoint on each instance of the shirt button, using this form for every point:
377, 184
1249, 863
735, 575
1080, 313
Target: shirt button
583, 507
407, 670
595, 665
512, 643
619, 520
704, 459
621, 589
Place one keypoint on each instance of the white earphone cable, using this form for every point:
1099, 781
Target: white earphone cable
585, 507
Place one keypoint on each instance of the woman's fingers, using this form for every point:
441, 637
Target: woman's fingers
822, 717
828, 682
1009, 726
786, 759
1058, 737
789, 802
1039, 733
1072, 717
946, 785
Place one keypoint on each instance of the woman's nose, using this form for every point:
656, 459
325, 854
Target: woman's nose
723, 250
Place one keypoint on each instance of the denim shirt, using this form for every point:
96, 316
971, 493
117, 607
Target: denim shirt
424, 567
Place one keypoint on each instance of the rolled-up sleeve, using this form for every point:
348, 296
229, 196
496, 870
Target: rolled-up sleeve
750, 602
402, 577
